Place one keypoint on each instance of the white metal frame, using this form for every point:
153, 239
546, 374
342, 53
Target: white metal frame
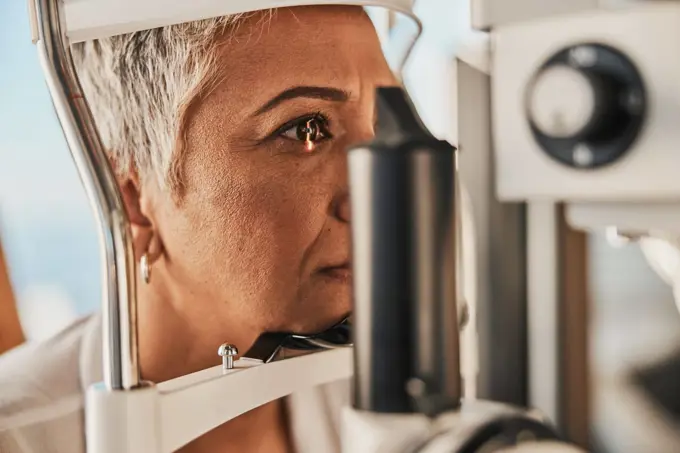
162, 418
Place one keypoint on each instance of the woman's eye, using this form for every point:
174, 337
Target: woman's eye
310, 131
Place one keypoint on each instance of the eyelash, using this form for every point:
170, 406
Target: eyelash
293, 125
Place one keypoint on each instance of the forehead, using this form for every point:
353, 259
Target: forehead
330, 25
316, 45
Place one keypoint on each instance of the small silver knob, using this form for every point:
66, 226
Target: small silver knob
227, 352
563, 102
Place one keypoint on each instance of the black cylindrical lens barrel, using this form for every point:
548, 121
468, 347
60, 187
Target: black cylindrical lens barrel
403, 253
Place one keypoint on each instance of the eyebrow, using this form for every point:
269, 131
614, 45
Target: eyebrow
324, 93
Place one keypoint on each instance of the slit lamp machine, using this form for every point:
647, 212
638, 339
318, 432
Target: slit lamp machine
559, 101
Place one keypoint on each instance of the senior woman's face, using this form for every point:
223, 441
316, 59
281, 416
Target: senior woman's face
260, 238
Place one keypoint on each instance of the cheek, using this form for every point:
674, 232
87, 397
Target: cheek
252, 225
280, 217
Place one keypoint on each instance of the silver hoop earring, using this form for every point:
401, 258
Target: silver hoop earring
145, 268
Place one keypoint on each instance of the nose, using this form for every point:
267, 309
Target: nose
363, 133
342, 210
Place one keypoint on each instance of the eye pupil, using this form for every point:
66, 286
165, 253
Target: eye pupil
308, 131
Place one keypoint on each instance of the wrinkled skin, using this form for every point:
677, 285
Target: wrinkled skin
258, 238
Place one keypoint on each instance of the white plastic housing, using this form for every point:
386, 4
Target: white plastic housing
647, 34
490, 13
364, 432
368, 432
92, 19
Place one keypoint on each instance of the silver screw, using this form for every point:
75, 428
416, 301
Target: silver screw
583, 155
632, 102
415, 387
227, 352
583, 56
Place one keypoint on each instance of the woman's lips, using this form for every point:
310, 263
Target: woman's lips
341, 273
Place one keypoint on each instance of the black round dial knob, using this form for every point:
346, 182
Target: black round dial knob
586, 105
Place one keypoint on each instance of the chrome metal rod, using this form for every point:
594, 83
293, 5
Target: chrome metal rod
121, 369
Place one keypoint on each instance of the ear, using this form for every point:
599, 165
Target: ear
145, 236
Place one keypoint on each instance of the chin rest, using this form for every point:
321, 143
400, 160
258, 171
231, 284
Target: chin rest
276, 346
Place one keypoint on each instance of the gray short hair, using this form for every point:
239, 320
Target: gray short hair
140, 88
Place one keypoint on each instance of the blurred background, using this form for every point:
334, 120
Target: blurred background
47, 229
51, 246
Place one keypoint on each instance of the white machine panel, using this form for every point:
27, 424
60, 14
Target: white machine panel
491, 13
647, 34
92, 19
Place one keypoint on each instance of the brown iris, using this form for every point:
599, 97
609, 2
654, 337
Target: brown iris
309, 133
